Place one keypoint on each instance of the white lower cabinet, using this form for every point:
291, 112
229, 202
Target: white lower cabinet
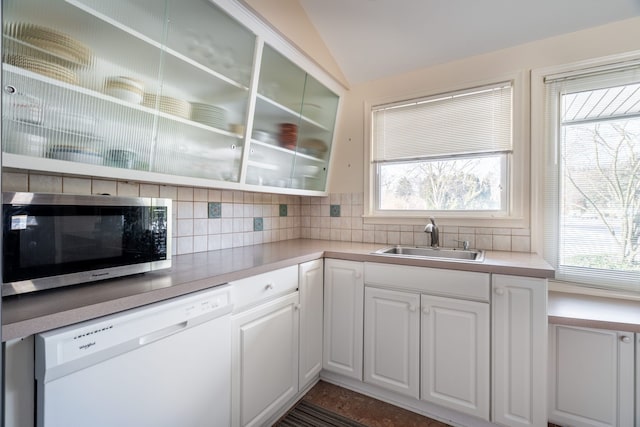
519, 351
391, 340
311, 286
265, 364
343, 317
455, 354
591, 377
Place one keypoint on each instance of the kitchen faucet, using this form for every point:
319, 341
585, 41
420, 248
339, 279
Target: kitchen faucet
433, 229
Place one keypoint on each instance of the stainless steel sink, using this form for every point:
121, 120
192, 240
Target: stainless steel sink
449, 254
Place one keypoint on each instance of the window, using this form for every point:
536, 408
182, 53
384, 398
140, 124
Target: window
445, 153
592, 217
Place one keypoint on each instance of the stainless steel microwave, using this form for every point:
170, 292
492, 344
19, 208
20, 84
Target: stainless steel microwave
53, 240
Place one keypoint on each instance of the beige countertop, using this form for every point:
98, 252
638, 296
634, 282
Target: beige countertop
593, 312
27, 314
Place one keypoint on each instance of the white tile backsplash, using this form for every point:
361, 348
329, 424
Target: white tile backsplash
307, 217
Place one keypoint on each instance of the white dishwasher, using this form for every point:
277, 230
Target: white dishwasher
167, 364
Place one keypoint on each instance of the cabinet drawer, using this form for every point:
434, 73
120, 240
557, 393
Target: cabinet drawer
454, 283
262, 287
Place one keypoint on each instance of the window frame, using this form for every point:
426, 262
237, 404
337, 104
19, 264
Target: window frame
516, 212
540, 151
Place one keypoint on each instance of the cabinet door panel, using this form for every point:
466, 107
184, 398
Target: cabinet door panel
590, 377
519, 341
343, 317
265, 363
391, 337
311, 303
455, 354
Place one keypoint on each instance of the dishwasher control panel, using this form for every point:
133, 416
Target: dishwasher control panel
127, 330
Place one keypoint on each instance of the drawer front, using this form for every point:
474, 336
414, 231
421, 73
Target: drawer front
262, 287
454, 283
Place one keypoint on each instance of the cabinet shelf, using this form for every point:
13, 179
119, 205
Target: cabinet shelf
286, 151
117, 103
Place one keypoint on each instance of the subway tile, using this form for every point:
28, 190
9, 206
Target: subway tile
406, 237
72, 185
200, 195
214, 196
226, 210
484, 241
238, 224
200, 210
501, 242
185, 194
393, 237
184, 245
226, 225
45, 183
356, 235
185, 210
380, 237
238, 196
336, 234
148, 190
15, 181
227, 196
200, 227
314, 233
103, 186
521, 243
226, 241
238, 210
168, 192
214, 226
368, 236
128, 189
213, 242
185, 227
200, 244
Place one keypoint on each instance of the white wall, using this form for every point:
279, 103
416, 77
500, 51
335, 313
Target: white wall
348, 167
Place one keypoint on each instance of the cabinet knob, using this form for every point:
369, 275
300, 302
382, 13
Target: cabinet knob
269, 286
625, 339
412, 308
426, 310
296, 307
358, 275
499, 291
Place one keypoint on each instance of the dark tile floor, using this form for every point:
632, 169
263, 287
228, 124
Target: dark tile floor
366, 410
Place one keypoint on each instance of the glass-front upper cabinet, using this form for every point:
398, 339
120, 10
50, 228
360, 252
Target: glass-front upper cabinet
293, 126
147, 85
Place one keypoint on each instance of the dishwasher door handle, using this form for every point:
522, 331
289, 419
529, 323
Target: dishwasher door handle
164, 332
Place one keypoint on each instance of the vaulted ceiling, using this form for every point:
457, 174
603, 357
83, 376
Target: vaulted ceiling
370, 39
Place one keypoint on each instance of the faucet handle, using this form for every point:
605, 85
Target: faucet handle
465, 244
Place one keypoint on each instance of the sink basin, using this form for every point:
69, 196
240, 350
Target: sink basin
449, 254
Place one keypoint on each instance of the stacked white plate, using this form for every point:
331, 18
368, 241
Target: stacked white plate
166, 104
125, 88
208, 114
48, 44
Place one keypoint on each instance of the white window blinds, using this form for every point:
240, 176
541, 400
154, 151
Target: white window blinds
473, 121
592, 218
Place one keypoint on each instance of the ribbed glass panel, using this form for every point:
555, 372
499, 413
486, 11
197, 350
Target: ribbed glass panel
473, 121
127, 84
592, 216
293, 127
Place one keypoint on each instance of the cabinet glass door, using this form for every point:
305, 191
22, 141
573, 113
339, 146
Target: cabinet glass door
293, 126
207, 64
74, 82
158, 86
